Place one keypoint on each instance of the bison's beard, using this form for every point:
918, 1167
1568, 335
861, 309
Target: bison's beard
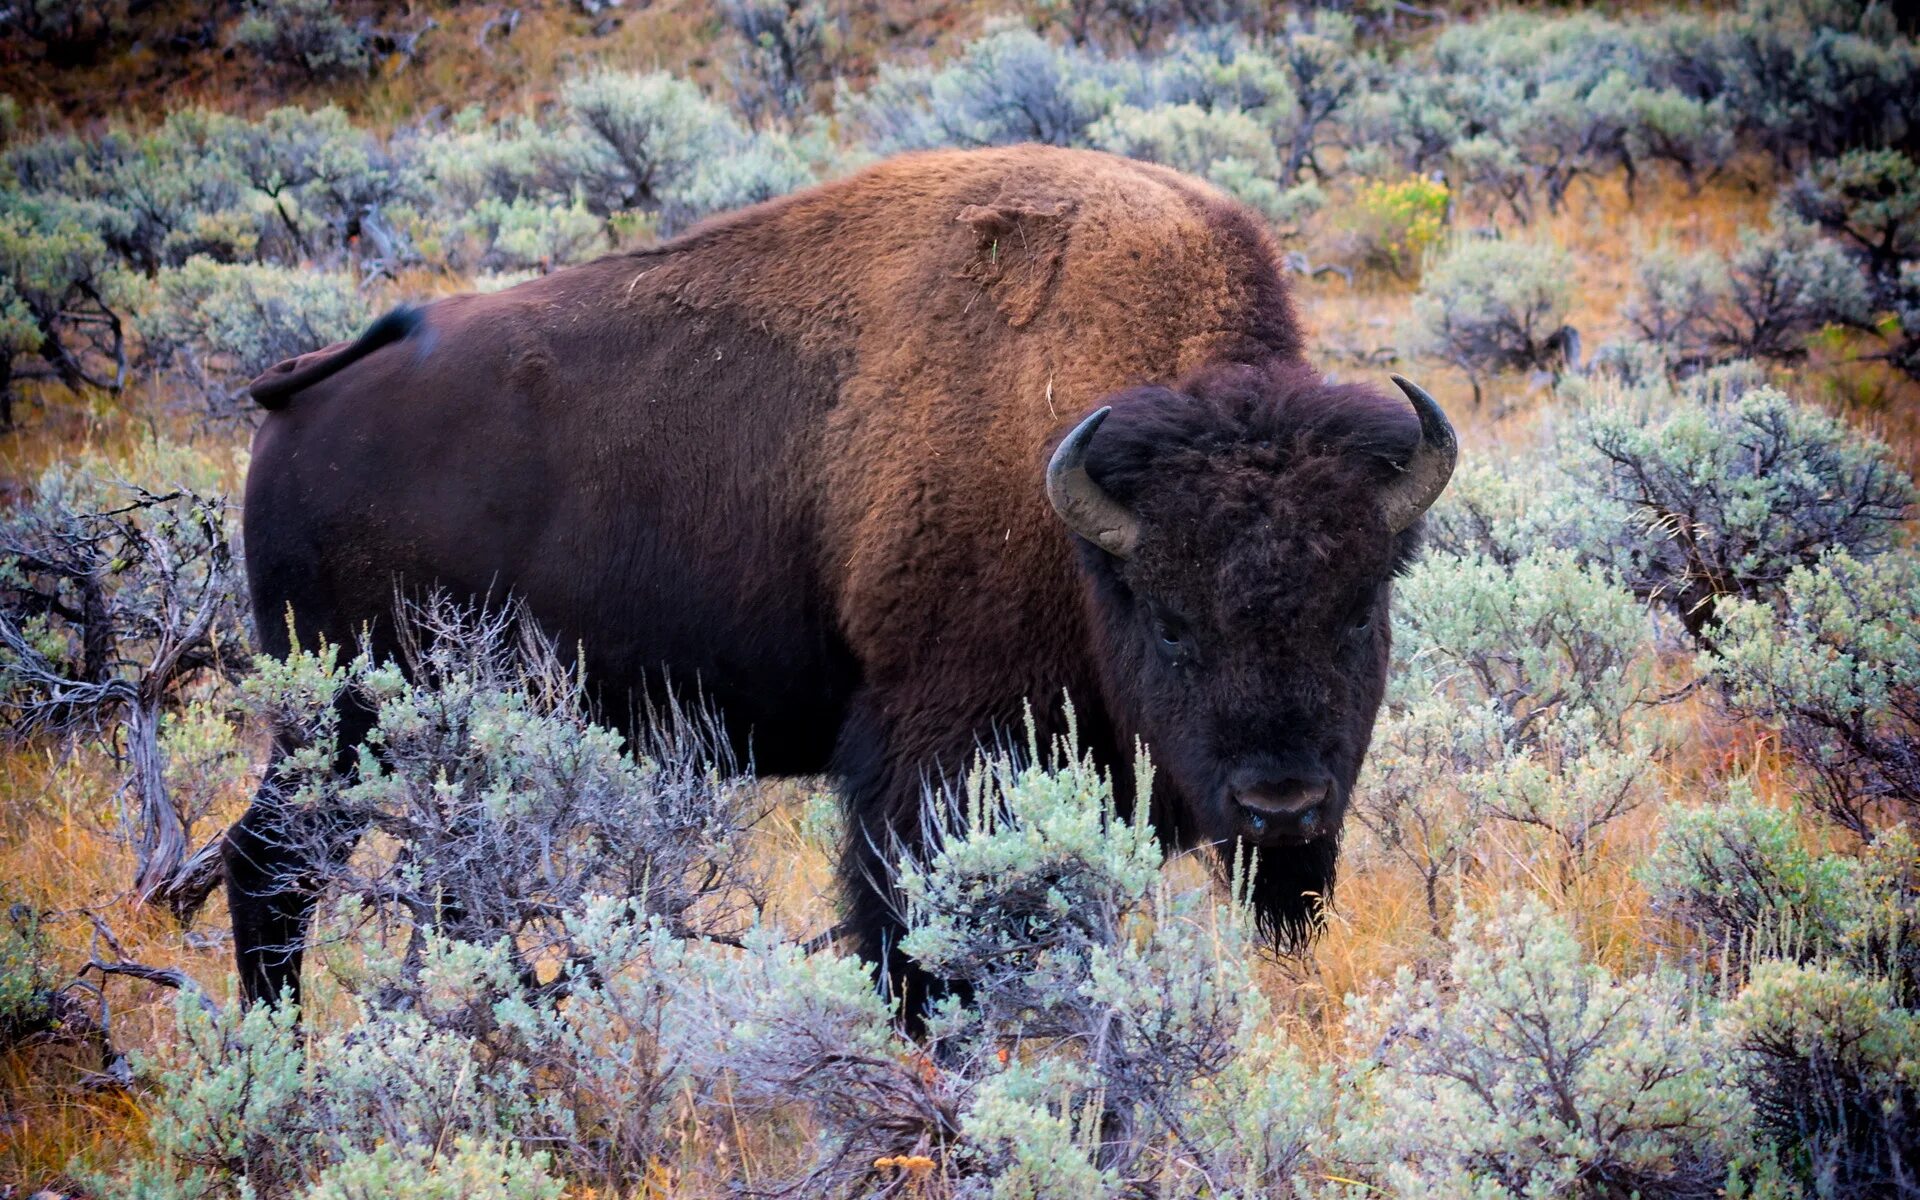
1292, 885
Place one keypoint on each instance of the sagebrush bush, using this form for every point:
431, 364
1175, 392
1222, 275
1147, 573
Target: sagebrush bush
57, 293
27, 973
759, 168
1786, 284
1832, 1059
295, 186
1051, 907
312, 34
502, 806
1393, 223
1834, 665
1421, 798
468, 1169
1734, 488
1546, 640
1493, 305
1868, 198
220, 324
1187, 137
498, 235
1739, 876
1677, 299
655, 146
1529, 1071
1130, 1050
334, 190
636, 139
1008, 86
1808, 85
1521, 693
788, 48
1521, 104
115, 600
1505, 509
170, 194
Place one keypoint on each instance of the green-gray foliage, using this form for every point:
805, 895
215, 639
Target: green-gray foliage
1422, 797
468, 1169
312, 34
502, 804
1009, 86
169, 190
1742, 880
1547, 664
220, 324
1834, 664
1868, 198
1807, 85
788, 48
1548, 639
1506, 508
114, 601
26, 973
56, 285
1529, 1071
654, 145
496, 235
1053, 909
1523, 101
1735, 487
296, 185
636, 139
1785, 284
1495, 305
1738, 874
1832, 1059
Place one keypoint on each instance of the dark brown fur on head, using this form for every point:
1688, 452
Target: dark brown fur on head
1246, 636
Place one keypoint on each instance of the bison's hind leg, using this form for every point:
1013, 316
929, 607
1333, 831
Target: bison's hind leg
277, 857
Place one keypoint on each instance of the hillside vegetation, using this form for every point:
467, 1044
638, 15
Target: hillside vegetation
1630, 899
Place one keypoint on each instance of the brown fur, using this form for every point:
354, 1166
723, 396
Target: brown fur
798, 454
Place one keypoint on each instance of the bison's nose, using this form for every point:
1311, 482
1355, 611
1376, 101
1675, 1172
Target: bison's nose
1284, 808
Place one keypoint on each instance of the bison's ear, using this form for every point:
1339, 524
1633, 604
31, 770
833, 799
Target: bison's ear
1017, 251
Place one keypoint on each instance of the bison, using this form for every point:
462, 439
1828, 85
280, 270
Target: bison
877, 467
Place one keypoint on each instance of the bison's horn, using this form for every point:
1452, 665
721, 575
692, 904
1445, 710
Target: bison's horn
1086, 509
1425, 474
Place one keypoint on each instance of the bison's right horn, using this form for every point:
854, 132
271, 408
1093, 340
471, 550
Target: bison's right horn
1086, 509
1425, 474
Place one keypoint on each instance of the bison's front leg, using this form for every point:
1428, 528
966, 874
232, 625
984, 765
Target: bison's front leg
884, 771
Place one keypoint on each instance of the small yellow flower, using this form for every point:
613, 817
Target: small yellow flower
919, 1166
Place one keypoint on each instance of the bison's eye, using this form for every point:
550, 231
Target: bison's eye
1167, 635
1360, 624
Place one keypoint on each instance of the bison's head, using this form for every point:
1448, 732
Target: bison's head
1239, 534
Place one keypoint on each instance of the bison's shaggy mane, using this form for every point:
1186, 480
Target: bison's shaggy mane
1257, 442
1276, 405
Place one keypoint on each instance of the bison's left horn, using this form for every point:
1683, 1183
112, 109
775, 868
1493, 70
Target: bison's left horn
1425, 474
1086, 509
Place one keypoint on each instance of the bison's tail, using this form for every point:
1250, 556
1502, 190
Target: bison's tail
277, 384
